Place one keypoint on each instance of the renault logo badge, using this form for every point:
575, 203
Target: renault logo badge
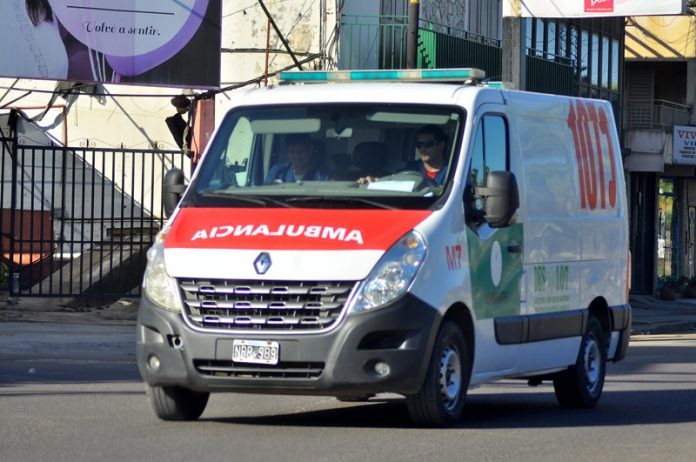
262, 263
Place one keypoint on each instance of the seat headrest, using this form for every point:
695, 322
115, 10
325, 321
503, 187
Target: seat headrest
371, 157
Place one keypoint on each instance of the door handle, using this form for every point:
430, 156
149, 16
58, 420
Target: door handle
514, 248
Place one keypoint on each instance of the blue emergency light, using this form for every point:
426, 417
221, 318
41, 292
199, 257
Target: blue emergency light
396, 75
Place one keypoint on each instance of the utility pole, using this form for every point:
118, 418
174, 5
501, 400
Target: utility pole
412, 34
514, 67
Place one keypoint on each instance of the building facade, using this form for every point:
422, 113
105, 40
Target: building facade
658, 141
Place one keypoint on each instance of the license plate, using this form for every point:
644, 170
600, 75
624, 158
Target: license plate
255, 351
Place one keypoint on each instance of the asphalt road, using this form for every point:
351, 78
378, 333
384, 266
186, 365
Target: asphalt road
72, 392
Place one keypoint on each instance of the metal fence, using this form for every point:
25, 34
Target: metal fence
77, 221
373, 42
445, 47
379, 42
551, 74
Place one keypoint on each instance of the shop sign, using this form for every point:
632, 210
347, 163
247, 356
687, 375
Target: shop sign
591, 8
684, 152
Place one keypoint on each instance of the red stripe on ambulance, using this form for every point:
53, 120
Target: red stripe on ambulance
290, 229
589, 124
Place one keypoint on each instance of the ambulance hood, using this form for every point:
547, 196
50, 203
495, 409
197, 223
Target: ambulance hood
282, 244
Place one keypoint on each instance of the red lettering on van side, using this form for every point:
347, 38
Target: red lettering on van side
594, 124
604, 128
589, 125
454, 256
573, 125
587, 153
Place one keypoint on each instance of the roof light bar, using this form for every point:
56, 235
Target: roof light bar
401, 75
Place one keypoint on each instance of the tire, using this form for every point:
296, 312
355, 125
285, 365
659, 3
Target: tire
440, 400
176, 403
580, 386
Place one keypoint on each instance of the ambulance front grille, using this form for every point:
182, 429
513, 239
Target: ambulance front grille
257, 306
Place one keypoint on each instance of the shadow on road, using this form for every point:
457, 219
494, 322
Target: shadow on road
503, 411
648, 387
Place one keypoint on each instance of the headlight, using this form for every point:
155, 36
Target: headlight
157, 284
393, 274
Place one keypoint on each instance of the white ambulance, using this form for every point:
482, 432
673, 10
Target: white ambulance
432, 237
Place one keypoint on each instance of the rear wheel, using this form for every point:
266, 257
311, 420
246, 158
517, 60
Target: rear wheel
440, 401
177, 403
580, 386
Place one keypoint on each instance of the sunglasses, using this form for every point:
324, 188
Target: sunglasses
426, 144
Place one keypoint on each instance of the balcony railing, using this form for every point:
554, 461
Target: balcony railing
656, 114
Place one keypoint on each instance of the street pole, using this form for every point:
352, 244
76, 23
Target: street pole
514, 69
412, 34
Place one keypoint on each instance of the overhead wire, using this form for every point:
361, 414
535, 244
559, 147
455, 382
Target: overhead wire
206, 93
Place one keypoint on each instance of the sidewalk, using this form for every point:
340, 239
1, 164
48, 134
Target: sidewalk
654, 316
650, 314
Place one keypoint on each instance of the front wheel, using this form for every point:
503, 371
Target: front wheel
580, 386
440, 400
176, 403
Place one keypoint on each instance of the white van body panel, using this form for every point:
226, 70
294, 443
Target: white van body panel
313, 264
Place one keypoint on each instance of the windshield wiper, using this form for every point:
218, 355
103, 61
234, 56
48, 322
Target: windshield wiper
345, 200
258, 200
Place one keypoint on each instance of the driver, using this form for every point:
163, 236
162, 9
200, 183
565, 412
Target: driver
303, 162
430, 143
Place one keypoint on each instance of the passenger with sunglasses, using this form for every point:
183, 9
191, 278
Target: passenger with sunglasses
430, 143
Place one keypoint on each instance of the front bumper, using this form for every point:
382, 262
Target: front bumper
339, 362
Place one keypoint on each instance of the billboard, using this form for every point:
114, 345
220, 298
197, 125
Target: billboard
591, 8
166, 43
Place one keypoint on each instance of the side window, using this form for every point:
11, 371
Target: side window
238, 152
490, 153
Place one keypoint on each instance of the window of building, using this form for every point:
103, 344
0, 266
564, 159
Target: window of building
605, 62
615, 64
551, 42
594, 60
584, 56
539, 38
563, 39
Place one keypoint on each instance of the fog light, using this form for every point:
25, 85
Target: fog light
153, 362
382, 369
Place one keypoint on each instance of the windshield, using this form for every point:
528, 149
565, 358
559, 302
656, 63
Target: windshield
349, 156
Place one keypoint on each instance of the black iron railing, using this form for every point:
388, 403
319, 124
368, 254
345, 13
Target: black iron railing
77, 221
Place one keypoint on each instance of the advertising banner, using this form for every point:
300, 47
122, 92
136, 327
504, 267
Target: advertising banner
684, 151
591, 8
166, 43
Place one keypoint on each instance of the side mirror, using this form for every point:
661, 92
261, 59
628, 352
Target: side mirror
173, 187
501, 198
